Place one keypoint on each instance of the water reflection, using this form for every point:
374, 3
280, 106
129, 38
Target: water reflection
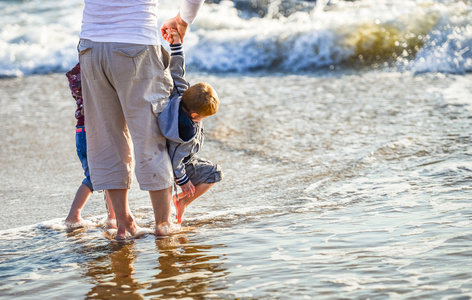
113, 273
170, 267
184, 269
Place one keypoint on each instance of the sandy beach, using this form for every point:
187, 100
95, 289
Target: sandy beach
40, 169
344, 133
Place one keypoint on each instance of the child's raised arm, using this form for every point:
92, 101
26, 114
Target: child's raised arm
177, 63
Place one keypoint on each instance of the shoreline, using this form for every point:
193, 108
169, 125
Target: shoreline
40, 168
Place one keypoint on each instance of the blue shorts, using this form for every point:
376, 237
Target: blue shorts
81, 145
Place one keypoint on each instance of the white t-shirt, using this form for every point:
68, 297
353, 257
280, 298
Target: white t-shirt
126, 21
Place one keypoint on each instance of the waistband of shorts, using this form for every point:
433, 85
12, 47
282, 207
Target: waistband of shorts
80, 129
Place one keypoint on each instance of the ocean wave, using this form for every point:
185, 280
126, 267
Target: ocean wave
242, 36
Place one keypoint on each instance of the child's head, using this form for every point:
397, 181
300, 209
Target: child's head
200, 101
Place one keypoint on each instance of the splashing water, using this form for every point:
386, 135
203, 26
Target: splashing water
284, 36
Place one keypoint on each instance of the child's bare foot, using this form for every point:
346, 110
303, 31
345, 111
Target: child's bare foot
78, 223
174, 199
72, 220
179, 208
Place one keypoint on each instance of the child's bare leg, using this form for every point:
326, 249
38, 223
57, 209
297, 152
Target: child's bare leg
81, 196
111, 219
185, 201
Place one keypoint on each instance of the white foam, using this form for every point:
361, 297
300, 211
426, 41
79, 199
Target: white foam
43, 36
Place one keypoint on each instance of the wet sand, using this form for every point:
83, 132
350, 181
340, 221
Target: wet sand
40, 170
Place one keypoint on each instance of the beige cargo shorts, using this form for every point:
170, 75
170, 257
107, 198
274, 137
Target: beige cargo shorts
124, 87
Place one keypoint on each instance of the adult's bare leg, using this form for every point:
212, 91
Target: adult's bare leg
161, 205
124, 218
111, 218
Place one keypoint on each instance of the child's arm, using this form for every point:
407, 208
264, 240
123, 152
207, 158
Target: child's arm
177, 63
178, 152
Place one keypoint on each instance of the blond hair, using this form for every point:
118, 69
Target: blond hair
202, 99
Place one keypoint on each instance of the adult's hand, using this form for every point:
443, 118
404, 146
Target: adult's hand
176, 23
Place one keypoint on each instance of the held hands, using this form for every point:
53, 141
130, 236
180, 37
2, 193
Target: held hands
188, 189
175, 23
172, 36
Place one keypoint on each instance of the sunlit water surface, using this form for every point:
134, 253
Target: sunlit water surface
338, 185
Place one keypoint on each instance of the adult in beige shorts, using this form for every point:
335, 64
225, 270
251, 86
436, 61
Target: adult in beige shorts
125, 84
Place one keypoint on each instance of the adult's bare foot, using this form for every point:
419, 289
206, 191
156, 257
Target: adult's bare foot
110, 223
166, 229
127, 228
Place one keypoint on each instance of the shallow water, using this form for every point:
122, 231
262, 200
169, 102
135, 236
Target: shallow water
337, 185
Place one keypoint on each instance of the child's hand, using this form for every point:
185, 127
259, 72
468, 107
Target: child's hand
188, 189
168, 37
173, 36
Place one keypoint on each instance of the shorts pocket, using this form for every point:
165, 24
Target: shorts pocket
132, 62
85, 48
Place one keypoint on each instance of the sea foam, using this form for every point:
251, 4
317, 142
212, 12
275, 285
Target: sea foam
40, 37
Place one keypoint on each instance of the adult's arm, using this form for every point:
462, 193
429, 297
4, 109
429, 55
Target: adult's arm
189, 10
187, 14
